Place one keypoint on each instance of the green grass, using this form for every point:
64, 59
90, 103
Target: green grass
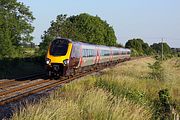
126, 92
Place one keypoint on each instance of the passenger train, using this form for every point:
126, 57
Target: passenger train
66, 57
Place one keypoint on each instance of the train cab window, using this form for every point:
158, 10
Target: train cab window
59, 47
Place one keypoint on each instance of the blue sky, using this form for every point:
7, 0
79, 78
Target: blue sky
150, 20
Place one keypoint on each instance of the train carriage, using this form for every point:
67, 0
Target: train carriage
88, 54
65, 57
105, 54
115, 54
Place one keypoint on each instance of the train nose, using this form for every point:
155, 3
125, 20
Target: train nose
56, 67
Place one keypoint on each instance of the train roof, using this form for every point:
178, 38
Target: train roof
89, 45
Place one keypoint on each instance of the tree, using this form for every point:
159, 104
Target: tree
139, 47
15, 27
83, 27
158, 48
119, 45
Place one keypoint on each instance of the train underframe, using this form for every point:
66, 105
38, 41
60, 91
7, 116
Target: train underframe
59, 70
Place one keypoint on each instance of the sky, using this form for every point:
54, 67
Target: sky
150, 20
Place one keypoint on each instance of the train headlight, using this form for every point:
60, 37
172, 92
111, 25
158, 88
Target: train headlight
48, 61
66, 62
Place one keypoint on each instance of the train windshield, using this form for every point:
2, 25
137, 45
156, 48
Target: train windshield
59, 47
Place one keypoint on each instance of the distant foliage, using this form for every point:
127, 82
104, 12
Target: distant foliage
15, 27
83, 27
158, 48
119, 45
139, 48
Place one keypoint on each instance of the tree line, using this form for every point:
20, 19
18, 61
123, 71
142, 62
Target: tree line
16, 28
140, 48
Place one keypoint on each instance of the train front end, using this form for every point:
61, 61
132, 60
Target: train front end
58, 56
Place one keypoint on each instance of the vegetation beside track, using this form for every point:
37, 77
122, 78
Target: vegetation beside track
20, 67
127, 91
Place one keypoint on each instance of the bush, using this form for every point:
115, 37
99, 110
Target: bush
157, 71
178, 54
163, 106
18, 67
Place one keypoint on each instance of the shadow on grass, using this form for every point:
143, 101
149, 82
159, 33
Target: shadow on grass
21, 67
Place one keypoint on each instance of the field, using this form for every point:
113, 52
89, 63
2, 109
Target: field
125, 92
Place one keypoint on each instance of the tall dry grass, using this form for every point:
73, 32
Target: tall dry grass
133, 81
81, 100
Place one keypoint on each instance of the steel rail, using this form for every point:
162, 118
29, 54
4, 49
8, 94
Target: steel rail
13, 83
22, 87
21, 80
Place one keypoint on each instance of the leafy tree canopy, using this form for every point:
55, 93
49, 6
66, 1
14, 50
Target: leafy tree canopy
15, 27
139, 47
158, 48
83, 27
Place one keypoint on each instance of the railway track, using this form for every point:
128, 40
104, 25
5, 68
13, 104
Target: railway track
22, 80
12, 90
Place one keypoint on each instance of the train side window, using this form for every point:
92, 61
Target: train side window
122, 53
87, 52
84, 54
106, 53
91, 53
101, 52
94, 51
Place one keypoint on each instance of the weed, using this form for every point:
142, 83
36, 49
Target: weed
157, 71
